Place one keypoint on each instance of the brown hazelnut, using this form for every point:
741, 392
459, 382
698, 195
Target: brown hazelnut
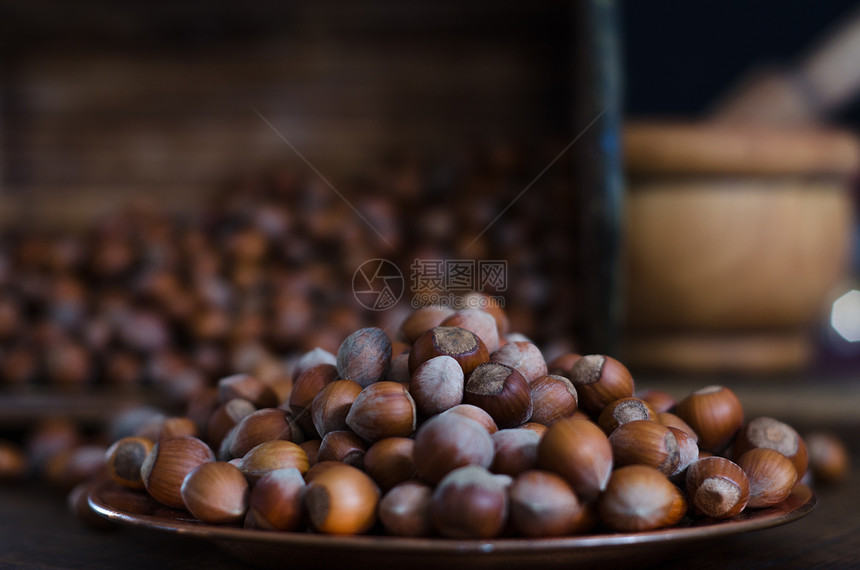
448, 441
422, 320
383, 409
305, 388
716, 415
470, 502
167, 465
514, 451
13, 462
829, 459
216, 492
225, 417
773, 434
278, 454
671, 420
771, 476
543, 504
500, 390
125, 458
259, 427
365, 356
561, 364
479, 322
404, 510
688, 453
276, 501
580, 452
717, 488
312, 449
71, 466
643, 442
311, 359
390, 461
248, 388
437, 385
659, 400
640, 498
341, 499
331, 406
463, 346
474, 413
599, 380
553, 398
344, 446
524, 357
622, 411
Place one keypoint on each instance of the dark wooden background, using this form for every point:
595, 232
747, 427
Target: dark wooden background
102, 100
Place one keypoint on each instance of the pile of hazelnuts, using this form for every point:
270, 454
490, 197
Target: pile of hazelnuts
458, 428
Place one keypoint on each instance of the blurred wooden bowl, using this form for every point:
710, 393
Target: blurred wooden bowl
736, 237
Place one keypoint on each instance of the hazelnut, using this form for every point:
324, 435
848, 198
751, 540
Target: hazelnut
580, 452
125, 458
261, 426
715, 414
448, 441
688, 453
640, 498
341, 499
771, 476
225, 417
311, 359
405, 509
390, 461
422, 320
305, 388
599, 380
500, 390
553, 398
561, 364
479, 322
399, 369
383, 409
167, 465
312, 449
344, 446
671, 420
539, 429
216, 492
276, 501
514, 451
659, 400
71, 466
717, 487
278, 454
488, 304
543, 504
364, 356
622, 411
470, 502
248, 388
13, 462
769, 433
474, 413
643, 442
330, 407
463, 346
437, 385
524, 357
829, 460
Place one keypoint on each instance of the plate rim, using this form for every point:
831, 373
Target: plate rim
765, 518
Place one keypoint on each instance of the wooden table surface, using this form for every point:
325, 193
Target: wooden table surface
37, 530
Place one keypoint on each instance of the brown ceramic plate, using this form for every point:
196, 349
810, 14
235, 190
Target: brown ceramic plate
304, 550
